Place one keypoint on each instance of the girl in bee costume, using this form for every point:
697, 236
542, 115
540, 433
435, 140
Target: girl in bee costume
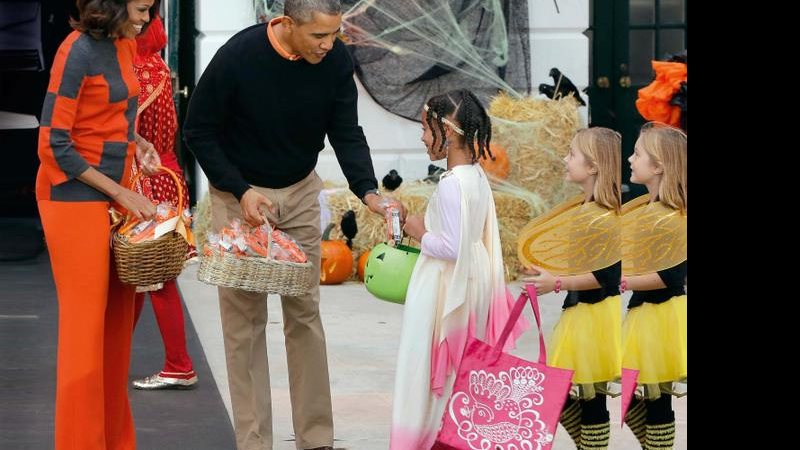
576, 247
654, 268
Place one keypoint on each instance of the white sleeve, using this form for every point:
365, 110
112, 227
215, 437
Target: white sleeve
444, 245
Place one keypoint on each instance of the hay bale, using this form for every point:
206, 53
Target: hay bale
201, 221
536, 133
372, 227
515, 202
509, 232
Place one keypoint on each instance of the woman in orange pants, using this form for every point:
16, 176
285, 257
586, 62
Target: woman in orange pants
86, 144
158, 123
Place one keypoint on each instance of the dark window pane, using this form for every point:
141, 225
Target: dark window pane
672, 41
642, 51
642, 12
672, 11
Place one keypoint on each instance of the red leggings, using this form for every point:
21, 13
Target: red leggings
95, 326
169, 314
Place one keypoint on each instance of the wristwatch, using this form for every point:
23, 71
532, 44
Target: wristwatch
371, 191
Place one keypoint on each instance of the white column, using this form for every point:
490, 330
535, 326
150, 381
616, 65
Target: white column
394, 143
557, 40
216, 21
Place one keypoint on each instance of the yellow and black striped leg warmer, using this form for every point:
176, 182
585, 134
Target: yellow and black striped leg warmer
635, 418
595, 426
571, 420
595, 437
661, 436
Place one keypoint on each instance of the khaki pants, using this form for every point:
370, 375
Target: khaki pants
244, 320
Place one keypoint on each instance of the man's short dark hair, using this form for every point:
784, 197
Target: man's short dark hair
303, 11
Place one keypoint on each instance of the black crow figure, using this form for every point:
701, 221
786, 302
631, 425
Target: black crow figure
433, 173
562, 87
392, 180
349, 226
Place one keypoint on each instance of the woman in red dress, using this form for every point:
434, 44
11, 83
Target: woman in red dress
157, 123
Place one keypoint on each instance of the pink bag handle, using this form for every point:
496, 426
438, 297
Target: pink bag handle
528, 294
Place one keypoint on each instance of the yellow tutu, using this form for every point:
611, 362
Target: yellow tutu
654, 341
587, 340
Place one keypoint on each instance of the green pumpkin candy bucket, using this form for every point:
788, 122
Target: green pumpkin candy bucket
388, 271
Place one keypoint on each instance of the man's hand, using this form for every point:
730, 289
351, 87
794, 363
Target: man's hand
251, 204
415, 227
147, 156
379, 205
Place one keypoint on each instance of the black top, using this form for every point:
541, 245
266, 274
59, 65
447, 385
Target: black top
258, 118
609, 285
674, 278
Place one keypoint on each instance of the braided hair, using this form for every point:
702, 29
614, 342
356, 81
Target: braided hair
469, 114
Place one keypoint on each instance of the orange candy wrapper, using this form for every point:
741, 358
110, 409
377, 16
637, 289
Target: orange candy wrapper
242, 240
285, 248
136, 231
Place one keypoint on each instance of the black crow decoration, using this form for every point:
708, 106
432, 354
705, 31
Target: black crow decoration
562, 87
349, 226
392, 180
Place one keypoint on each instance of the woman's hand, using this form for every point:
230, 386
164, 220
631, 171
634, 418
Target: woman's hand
137, 204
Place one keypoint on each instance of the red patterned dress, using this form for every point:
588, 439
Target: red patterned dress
158, 124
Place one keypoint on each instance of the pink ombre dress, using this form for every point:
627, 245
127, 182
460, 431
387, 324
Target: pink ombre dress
457, 289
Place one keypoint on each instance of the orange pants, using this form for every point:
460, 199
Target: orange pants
95, 327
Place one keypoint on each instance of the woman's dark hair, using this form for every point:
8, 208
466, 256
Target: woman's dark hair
101, 18
469, 114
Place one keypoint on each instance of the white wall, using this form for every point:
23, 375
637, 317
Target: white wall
216, 22
557, 40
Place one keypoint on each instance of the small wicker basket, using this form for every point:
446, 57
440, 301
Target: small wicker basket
155, 261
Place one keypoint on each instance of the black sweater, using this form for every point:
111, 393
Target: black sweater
608, 279
258, 118
673, 278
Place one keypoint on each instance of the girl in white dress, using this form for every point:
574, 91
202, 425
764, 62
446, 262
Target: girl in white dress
457, 288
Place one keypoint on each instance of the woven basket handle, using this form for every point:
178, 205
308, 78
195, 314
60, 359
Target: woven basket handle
269, 234
130, 220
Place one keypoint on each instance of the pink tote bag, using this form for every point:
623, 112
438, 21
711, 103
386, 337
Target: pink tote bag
501, 402
629, 377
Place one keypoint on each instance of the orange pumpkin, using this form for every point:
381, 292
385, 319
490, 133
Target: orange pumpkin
500, 167
362, 263
337, 260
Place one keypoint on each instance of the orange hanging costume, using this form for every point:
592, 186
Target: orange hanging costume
653, 101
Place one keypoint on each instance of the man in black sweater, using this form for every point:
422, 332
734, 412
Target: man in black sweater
256, 123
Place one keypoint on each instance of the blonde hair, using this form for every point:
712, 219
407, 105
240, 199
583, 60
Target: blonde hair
666, 146
602, 149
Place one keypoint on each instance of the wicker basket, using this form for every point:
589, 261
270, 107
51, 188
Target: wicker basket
151, 262
256, 274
